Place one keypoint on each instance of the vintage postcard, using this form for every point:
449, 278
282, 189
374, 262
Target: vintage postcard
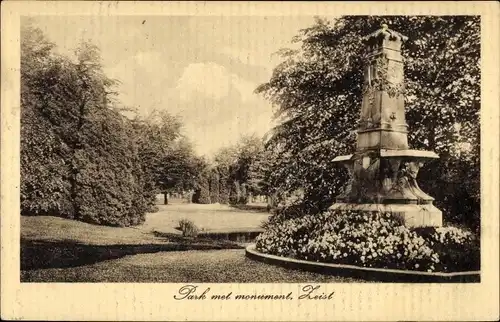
250, 161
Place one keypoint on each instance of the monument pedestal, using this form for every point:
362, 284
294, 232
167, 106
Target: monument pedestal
411, 215
386, 181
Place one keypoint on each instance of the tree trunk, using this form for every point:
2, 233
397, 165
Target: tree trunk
165, 198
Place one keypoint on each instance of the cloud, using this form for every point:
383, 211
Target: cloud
141, 62
144, 79
213, 81
255, 58
224, 124
148, 59
242, 55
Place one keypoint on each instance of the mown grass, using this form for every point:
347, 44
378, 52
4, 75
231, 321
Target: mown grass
213, 217
60, 250
52, 242
211, 266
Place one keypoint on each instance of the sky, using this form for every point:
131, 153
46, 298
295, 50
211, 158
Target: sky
203, 68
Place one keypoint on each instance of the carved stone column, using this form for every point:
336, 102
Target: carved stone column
383, 170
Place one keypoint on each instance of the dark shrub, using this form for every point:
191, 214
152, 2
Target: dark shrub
224, 189
234, 193
202, 192
45, 170
214, 187
244, 196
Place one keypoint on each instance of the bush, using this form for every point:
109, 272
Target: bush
202, 192
224, 190
370, 240
214, 187
188, 228
243, 198
294, 209
460, 247
234, 193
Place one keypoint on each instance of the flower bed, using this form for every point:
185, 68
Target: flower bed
370, 240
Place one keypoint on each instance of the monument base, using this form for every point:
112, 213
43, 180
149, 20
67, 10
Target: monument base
413, 215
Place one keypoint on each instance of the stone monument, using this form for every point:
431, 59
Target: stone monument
383, 170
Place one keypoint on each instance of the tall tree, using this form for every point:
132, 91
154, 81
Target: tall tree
202, 189
225, 163
260, 173
214, 185
234, 165
179, 167
45, 170
167, 157
87, 169
248, 150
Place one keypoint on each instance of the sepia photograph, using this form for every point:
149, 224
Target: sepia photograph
351, 140
336, 158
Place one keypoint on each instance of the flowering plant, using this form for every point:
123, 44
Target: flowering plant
366, 239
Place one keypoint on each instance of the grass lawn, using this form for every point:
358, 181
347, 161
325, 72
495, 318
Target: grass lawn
61, 250
213, 217
210, 217
211, 266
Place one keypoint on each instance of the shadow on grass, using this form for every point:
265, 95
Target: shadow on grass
252, 208
204, 238
63, 254
222, 237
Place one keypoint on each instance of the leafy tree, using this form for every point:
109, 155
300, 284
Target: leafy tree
235, 193
167, 157
317, 90
224, 188
214, 186
83, 164
235, 164
248, 150
202, 190
149, 153
244, 194
45, 172
225, 163
260, 172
